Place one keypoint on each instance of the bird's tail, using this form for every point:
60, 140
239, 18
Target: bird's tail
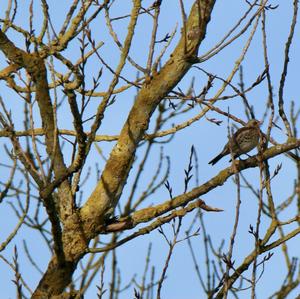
216, 159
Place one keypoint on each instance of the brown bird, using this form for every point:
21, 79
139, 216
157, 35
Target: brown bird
241, 142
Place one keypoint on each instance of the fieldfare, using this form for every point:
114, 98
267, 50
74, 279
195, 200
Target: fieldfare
241, 142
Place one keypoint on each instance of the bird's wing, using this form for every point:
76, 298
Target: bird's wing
240, 133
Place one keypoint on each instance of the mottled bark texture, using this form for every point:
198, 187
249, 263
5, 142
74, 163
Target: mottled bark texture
80, 226
113, 179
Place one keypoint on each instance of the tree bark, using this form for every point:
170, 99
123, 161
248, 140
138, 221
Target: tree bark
80, 226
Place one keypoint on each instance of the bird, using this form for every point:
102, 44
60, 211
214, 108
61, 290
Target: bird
241, 142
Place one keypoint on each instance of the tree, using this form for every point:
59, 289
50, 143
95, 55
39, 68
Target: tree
75, 78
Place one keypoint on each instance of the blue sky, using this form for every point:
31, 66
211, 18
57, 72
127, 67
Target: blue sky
207, 138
